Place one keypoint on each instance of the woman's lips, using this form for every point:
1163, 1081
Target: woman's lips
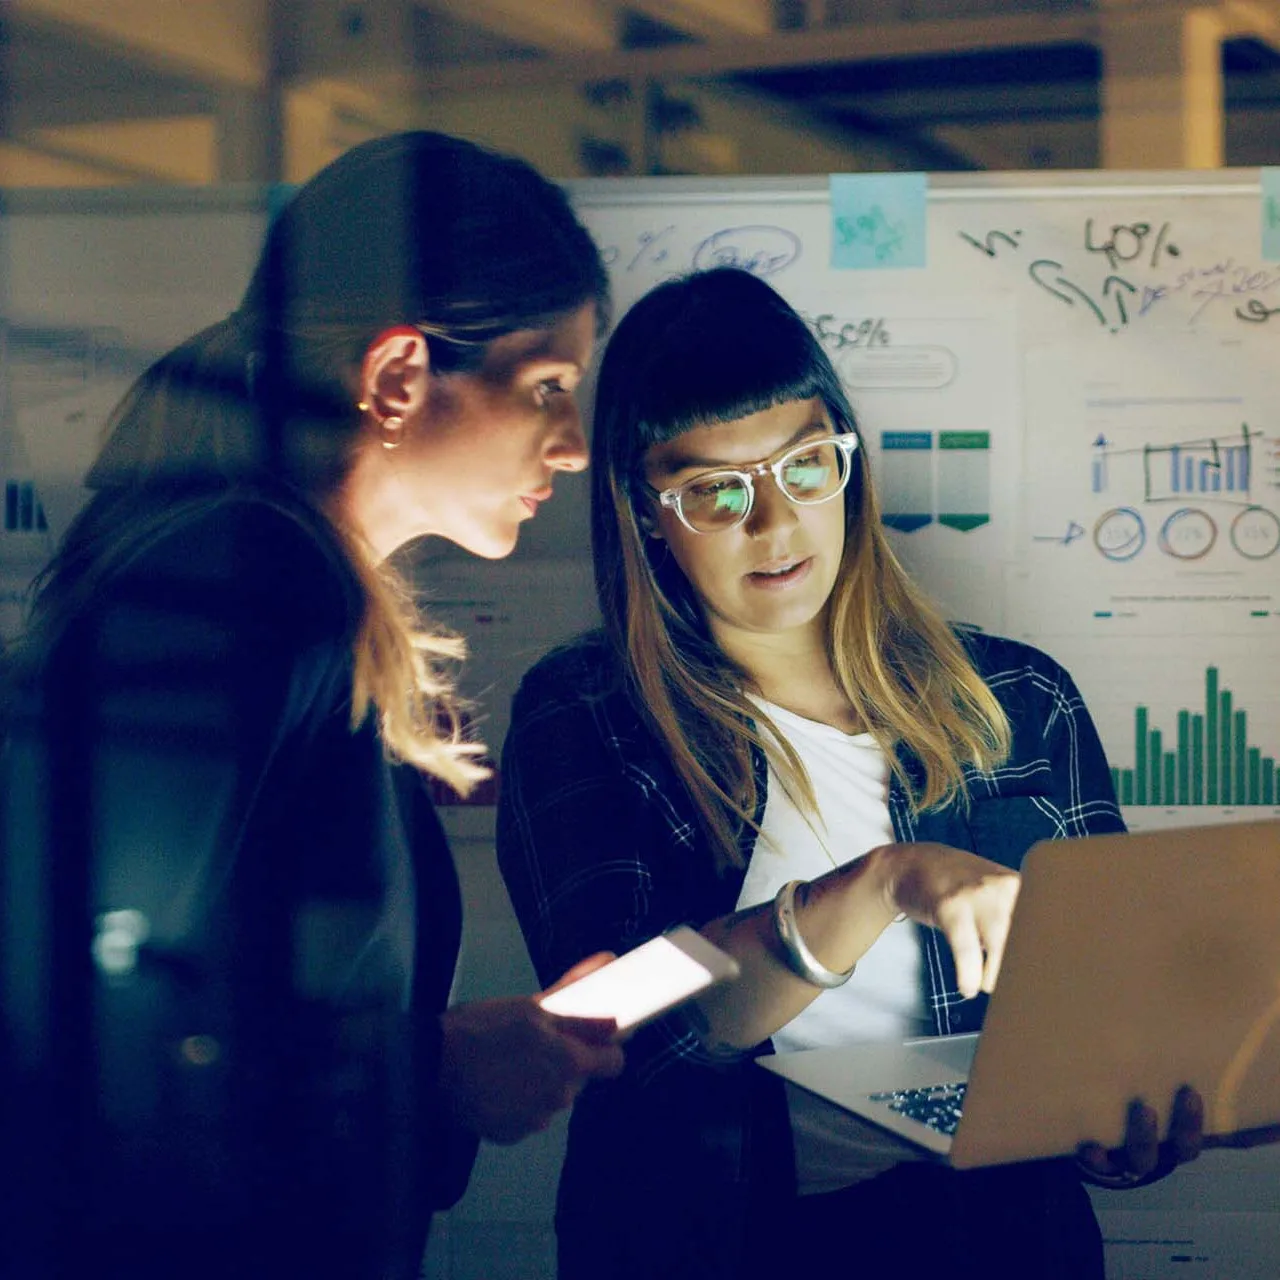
535, 499
770, 579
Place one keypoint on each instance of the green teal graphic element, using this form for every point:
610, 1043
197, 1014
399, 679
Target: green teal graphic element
1212, 762
964, 479
1271, 215
906, 479
879, 221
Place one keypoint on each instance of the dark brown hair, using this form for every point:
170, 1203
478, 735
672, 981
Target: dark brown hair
714, 347
414, 228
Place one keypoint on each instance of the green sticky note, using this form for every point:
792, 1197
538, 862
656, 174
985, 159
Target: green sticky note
879, 221
1271, 215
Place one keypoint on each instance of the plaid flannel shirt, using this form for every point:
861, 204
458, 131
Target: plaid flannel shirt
601, 848
672, 1168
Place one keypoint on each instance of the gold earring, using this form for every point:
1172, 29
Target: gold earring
391, 426
362, 406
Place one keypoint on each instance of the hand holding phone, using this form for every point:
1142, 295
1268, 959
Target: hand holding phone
645, 982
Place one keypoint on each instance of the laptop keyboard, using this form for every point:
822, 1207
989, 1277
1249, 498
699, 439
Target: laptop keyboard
937, 1105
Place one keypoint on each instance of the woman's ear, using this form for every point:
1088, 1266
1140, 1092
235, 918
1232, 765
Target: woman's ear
649, 526
393, 376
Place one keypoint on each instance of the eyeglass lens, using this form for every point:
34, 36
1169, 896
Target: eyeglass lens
808, 474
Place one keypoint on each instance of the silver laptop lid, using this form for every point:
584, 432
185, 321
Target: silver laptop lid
1135, 963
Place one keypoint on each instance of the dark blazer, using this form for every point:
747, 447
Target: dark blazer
231, 923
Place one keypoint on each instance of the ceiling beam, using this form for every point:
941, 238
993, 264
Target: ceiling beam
25, 166
28, 113
569, 27
710, 19
826, 46
880, 42
215, 42
104, 168
182, 149
969, 103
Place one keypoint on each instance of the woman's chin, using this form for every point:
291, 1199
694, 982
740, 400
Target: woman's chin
495, 543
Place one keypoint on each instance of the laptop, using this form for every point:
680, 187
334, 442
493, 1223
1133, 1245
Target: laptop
1134, 963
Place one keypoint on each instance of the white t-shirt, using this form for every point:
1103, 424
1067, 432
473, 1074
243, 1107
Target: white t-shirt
883, 1000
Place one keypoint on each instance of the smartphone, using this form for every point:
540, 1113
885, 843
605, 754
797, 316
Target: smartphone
647, 981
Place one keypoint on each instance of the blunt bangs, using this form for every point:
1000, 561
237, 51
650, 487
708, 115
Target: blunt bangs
706, 348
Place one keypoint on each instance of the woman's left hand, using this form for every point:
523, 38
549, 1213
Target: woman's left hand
1143, 1154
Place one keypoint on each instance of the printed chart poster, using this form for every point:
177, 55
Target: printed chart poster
1214, 1219
1152, 568
1156, 1246
937, 406
60, 385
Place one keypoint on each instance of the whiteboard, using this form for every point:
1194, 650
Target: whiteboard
1072, 410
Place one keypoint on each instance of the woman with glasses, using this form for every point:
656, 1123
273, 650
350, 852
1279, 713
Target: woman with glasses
777, 739
239, 917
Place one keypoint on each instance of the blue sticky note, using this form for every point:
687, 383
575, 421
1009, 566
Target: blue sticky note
1271, 215
878, 220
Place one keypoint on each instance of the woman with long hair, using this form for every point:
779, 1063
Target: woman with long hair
776, 738
228, 999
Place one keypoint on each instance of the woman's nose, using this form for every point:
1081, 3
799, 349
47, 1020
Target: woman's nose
567, 449
771, 508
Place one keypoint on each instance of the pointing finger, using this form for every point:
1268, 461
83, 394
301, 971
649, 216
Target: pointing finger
996, 933
961, 932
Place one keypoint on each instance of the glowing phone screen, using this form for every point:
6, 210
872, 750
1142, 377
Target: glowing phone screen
656, 975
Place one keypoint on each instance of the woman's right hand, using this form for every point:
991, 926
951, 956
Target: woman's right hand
840, 916
968, 898
507, 1065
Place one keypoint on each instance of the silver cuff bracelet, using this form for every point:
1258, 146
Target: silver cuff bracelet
800, 960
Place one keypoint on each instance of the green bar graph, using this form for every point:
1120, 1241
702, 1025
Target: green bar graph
1184, 757
1224, 742
1240, 754
1208, 760
1141, 790
1211, 735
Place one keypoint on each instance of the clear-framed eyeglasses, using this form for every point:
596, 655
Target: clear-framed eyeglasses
807, 474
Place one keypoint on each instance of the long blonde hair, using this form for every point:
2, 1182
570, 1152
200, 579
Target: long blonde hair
715, 347
416, 228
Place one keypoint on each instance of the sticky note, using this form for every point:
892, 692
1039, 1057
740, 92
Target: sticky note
878, 220
1271, 215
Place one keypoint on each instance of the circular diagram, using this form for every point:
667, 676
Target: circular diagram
1188, 534
1120, 533
1255, 533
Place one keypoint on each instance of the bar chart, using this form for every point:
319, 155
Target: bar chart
1211, 468
1206, 758
23, 512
